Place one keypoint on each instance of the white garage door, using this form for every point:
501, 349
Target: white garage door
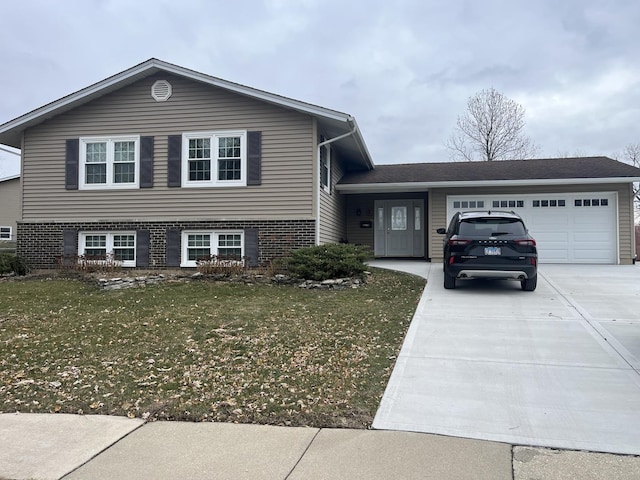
568, 227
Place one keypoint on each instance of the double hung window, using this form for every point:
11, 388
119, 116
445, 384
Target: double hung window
5, 233
214, 159
325, 166
118, 247
112, 162
225, 245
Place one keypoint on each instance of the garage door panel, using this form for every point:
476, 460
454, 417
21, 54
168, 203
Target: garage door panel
544, 221
593, 255
550, 237
587, 237
552, 219
553, 255
568, 227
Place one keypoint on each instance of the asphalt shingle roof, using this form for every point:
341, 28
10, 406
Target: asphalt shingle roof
535, 169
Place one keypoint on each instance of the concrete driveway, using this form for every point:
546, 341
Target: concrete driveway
558, 367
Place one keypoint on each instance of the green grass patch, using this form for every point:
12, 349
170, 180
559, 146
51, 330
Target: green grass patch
204, 351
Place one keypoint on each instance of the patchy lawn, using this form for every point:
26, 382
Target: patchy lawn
204, 351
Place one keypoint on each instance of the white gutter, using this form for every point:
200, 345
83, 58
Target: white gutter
420, 186
354, 128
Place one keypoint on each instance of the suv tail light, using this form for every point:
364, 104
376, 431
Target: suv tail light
529, 242
458, 241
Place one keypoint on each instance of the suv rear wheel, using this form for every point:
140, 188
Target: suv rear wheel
450, 281
529, 284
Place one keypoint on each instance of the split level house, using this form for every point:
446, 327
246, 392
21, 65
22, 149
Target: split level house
160, 165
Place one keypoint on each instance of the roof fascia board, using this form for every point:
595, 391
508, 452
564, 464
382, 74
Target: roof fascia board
418, 186
362, 145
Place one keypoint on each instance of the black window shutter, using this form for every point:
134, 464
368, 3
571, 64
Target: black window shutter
69, 247
174, 164
71, 164
254, 158
173, 247
251, 251
146, 162
142, 248
70, 242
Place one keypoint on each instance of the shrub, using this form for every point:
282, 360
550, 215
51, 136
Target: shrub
5, 263
332, 260
89, 264
13, 264
221, 265
277, 266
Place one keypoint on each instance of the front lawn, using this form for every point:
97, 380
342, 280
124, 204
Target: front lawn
203, 351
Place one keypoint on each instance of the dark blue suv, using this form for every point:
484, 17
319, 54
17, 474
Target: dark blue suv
489, 244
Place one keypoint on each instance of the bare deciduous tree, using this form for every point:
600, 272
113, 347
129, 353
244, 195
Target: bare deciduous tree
491, 129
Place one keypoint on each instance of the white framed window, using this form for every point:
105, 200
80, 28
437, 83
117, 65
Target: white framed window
507, 204
5, 233
591, 202
203, 244
119, 247
109, 162
325, 167
214, 159
548, 203
468, 204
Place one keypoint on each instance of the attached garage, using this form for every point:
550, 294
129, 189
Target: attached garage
580, 210
568, 227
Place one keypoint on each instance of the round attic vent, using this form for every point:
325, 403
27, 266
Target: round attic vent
161, 90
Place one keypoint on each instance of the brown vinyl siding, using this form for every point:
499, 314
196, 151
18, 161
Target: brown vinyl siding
437, 218
286, 191
438, 210
625, 224
333, 207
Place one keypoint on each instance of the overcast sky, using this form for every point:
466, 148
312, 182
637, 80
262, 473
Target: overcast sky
404, 69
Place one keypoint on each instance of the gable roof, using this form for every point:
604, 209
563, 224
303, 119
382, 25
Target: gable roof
332, 122
551, 171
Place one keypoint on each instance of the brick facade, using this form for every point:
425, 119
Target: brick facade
41, 243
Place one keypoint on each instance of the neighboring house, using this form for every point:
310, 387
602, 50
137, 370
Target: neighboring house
161, 165
9, 207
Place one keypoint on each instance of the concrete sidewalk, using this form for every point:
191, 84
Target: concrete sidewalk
34, 446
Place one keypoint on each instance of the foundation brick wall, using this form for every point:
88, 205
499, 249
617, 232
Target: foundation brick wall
41, 243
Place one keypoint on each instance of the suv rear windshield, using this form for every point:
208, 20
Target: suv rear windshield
491, 227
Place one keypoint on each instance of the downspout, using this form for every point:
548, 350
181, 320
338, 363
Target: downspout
353, 126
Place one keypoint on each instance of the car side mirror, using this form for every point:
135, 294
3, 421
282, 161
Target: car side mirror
441, 231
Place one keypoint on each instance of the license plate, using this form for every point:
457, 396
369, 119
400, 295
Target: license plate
492, 251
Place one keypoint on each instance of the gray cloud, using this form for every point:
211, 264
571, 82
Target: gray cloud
405, 69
